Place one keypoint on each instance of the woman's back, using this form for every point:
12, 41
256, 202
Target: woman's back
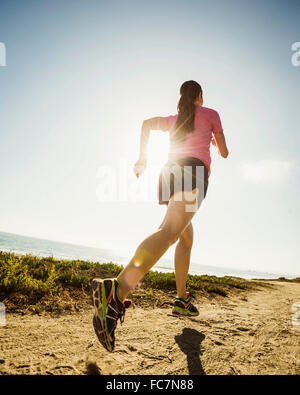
196, 143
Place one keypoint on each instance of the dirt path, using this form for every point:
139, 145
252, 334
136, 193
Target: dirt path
235, 335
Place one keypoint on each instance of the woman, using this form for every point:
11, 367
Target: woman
191, 132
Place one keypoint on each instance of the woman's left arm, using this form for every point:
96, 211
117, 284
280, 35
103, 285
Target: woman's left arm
220, 142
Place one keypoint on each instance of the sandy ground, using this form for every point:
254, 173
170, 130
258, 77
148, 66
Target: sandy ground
250, 334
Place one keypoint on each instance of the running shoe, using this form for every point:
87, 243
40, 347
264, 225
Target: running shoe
184, 307
108, 310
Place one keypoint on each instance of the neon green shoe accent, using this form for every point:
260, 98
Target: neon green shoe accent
117, 296
104, 306
180, 299
180, 309
183, 311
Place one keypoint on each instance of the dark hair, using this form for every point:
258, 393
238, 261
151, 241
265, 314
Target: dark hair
189, 91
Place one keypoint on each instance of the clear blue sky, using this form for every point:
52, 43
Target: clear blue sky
82, 75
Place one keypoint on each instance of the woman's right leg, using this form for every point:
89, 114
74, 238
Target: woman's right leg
107, 295
152, 248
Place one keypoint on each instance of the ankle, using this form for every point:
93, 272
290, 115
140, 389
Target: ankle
120, 293
182, 295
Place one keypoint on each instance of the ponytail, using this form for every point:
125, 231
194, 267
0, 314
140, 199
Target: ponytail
189, 92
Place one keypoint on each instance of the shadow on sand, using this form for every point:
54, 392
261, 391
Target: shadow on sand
189, 342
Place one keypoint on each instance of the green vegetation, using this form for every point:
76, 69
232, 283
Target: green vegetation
210, 284
294, 280
33, 278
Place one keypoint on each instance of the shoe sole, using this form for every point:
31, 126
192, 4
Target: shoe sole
99, 302
185, 313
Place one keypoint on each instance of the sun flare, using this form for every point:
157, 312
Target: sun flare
158, 149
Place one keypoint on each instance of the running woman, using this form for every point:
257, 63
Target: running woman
191, 132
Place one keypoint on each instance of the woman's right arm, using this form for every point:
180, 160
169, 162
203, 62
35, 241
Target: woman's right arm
157, 123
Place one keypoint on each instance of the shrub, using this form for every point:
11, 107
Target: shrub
35, 276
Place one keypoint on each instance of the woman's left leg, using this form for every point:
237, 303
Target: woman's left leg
182, 259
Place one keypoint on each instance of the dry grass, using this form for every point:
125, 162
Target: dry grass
30, 283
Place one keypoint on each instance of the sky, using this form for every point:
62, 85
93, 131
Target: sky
82, 75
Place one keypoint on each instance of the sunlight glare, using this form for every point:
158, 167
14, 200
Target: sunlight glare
158, 150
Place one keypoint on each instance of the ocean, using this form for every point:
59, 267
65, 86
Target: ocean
41, 247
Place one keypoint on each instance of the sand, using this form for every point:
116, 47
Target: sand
240, 334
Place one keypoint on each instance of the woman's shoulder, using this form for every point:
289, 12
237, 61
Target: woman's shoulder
207, 110
172, 118
210, 114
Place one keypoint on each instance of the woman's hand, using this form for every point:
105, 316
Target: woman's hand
219, 141
140, 167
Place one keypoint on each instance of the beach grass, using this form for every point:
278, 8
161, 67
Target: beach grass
31, 278
293, 280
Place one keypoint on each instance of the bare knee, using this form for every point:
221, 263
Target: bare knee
170, 235
186, 240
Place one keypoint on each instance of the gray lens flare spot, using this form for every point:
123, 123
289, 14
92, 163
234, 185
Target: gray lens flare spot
296, 315
2, 55
2, 314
